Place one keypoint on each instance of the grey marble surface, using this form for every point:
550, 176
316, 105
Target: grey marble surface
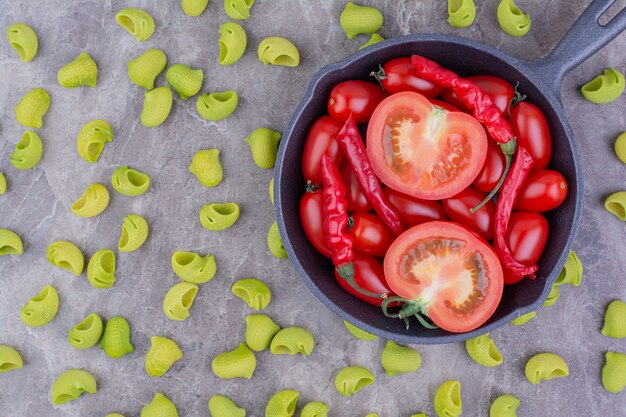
37, 207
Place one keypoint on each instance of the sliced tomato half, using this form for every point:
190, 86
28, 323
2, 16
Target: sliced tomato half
423, 150
446, 272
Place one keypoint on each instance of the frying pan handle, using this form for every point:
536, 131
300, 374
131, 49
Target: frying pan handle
583, 39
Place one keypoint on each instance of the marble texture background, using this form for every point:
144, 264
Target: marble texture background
37, 207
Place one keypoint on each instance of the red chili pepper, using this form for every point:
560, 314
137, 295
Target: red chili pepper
352, 145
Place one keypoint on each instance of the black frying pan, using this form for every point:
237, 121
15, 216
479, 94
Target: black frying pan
540, 80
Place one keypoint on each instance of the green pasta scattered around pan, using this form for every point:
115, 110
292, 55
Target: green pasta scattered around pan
291, 341
461, 13
92, 202
162, 355
10, 243
71, 384
82, 71
616, 205
277, 50
134, 233
614, 372
553, 296
232, 42
604, 88
194, 8
185, 80
3, 184
353, 379
101, 269
31, 109
315, 409
358, 333
92, 138
483, 351
178, 300
193, 267
398, 359
504, 406
282, 404
218, 105
160, 406
260, 330
114, 415
374, 39
10, 359
28, 151
275, 243
615, 320
144, 69
253, 291
356, 20
115, 340
157, 105
130, 182
222, 406
66, 255
620, 147
237, 363
545, 366
271, 190
263, 143
219, 216
24, 40
238, 9
512, 20
447, 401
86, 333
137, 22
523, 319
207, 168
42, 308
572, 271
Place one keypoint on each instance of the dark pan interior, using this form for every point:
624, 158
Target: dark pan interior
466, 58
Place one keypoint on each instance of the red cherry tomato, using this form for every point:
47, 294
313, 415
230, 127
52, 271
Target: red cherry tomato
369, 274
542, 191
492, 169
312, 218
526, 236
500, 91
531, 129
357, 97
319, 141
444, 105
356, 199
414, 211
400, 74
458, 210
370, 235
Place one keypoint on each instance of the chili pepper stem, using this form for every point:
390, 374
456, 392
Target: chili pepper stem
346, 272
508, 149
410, 308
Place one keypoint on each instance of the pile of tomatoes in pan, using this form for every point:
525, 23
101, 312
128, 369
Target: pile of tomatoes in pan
434, 162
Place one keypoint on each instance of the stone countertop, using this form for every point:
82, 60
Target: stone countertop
37, 208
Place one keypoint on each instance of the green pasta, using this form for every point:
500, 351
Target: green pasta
160, 406
157, 105
24, 40
374, 39
545, 366
86, 333
614, 372
115, 340
615, 320
144, 69
620, 147
358, 333
253, 291
162, 355
10, 359
238, 9
232, 42
275, 243
419, 415
185, 80
400, 359
219, 216
512, 20
42, 308
31, 109
207, 168
461, 13
523, 319
82, 71
353, 379
66, 255
282, 404
101, 269
137, 22
114, 415
92, 202
315, 409
356, 20
192, 267
130, 182
28, 151
264, 146
604, 88
217, 106
572, 271
237, 363
277, 50
10, 243
553, 296
178, 300
260, 330
484, 351
71, 384
447, 400
291, 341
3, 184
373, 415
92, 138
194, 8
134, 233
271, 190
616, 205
221, 406
504, 406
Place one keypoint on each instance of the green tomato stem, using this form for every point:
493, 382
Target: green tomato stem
508, 149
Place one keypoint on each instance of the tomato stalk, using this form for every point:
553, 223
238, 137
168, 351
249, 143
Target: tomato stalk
508, 149
516, 99
379, 75
409, 308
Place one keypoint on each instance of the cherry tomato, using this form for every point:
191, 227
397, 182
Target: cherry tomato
319, 141
542, 191
312, 218
414, 211
369, 274
526, 236
357, 97
498, 89
444, 105
400, 74
492, 170
419, 150
370, 235
458, 210
448, 270
354, 195
531, 129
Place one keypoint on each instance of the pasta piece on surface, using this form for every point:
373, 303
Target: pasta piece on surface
101, 269
218, 105
238, 9
92, 138
185, 80
162, 355
10, 359
373, 40
237, 363
222, 406
134, 233
614, 372
615, 320
3, 185
42, 308
353, 379
604, 88
572, 271
447, 400
620, 147
194, 8
271, 190
277, 50
92, 202
253, 291
400, 359
275, 243
82, 71
461, 13
358, 333
260, 330
512, 20
144, 69
553, 296
545, 366
115, 340
315, 409
66, 255
483, 351
356, 20
157, 105
219, 216
71, 384
10, 243
192, 267
31, 109
504, 406
137, 22
130, 182
206, 166
160, 406
523, 319
282, 404
24, 40
292, 340
86, 333
178, 300
114, 415
264, 146
28, 151
232, 42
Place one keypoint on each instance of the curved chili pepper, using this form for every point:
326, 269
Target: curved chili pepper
351, 143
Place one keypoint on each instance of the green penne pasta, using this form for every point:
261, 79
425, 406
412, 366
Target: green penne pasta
504, 406
130, 182
356, 20
615, 320
553, 296
160, 406
134, 233
28, 151
253, 291
42, 308
523, 319
221, 406
101, 269
10, 243
157, 105
3, 184
72, 384
194, 8
616, 205
512, 20
374, 39
219, 216
237, 363
282, 404
92, 138
614, 372
238, 9
545, 366
291, 341
24, 40
604, 88
185, 80
31, 109
277, 50
264, 146
620, 147
93, 201
447, 400
82, 71
178, 300
144, 69
484, 351
207, 168
137, 22
192, 267
86, 333
162, 355
353, 379
572, 271
275, 243
400, 359
232, 42
217, 106
66, 255
461, 13
315, 409
260, 330
358, 333
115, 340
10, 359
